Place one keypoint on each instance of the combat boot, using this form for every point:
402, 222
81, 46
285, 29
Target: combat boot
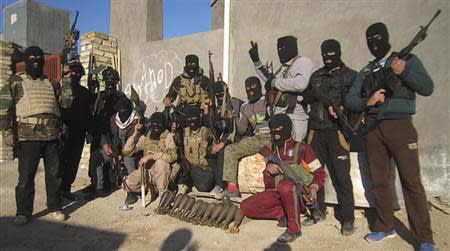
315, 217
287, 237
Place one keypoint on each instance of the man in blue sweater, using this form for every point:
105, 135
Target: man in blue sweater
389, 103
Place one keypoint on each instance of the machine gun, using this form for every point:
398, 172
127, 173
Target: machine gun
387, 80
344, 120
212, 97
69, 52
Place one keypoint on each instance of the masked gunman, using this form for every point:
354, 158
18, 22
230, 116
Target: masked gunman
252, 119
287, 83
190, 87
392, 133
225, 131
284, 198
78, 119
160, 153
330, 84
34, 130
104, 107
123, 125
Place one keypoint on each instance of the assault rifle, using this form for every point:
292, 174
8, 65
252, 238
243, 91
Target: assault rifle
291, 175
212, 97
69, 52
391, 86
327, 103
92, 80
134, 97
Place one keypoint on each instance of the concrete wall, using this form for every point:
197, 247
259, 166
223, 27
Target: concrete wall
30, 23
314, 21
151, 67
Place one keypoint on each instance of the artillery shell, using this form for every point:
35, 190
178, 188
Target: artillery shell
188, 208
200, 212
238, 217
194, 209
176, 203
222, 215
216, 211
182, 205
208, 213
162, 201
230, 217
226, 200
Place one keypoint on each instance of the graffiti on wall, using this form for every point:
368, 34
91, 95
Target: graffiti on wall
153, 77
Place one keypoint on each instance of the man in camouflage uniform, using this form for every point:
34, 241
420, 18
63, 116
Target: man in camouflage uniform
36, 125
190, 87
195, 141
159, 154
253, 116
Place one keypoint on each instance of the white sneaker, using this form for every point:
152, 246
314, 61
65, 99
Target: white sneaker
58, 216
20, 220
217, 192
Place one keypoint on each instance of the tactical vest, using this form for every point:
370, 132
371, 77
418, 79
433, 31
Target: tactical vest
153, 145
193, 151
190, 92
298, 165
285, 99
38, 98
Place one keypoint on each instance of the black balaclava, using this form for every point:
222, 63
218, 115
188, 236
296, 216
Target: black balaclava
287, 48
192, 117
157, 125
35, 66
191, 67
378, 47
331, 45
124, 108
253, 89
76, 71
111, 77
219, 91
285, 133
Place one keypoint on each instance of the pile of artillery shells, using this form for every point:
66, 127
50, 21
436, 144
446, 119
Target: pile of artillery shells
199, 212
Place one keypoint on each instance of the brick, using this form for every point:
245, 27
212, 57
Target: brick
113, 39
113, 44
106, 43
113, 50
104, 48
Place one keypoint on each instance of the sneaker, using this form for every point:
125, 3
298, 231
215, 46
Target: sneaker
379, 236
315, 217
231, 194
69, 196
427, 247
217, 192
282, 223
347, 228
58, 216
286, 237
20, 220
131, 198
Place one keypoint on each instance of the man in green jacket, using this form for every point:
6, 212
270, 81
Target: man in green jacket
385, 89
30, 119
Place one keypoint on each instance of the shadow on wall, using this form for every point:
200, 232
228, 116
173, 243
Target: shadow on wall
179, 240
45, 235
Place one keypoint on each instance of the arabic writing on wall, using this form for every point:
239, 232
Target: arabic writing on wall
153, 77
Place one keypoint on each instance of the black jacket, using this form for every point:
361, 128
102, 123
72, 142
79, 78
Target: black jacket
334, 86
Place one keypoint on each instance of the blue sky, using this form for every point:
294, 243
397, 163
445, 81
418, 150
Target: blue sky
181, 17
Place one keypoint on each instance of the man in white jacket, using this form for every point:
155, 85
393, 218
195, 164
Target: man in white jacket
287, 83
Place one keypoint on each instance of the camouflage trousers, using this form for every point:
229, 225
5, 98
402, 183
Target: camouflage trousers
158, 175
234, 152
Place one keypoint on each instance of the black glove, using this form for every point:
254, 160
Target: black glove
254, 52
268, 84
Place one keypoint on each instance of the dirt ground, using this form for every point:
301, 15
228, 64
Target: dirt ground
99, 225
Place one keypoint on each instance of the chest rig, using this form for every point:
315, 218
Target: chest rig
193, 150
190, 92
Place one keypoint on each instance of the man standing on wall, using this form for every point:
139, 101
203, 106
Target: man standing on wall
392, 133
327, 88
36, 102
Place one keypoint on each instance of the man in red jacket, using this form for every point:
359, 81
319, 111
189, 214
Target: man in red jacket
285, 197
